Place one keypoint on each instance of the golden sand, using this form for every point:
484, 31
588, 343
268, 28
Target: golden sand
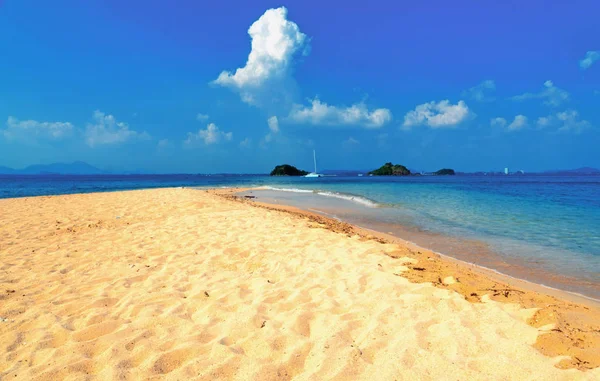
181, 284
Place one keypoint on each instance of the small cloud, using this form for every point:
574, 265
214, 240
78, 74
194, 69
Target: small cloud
518, 123
322, 114
437, 115
105, 129
163, 143
350, 142
211, 135
498, 122
32, 130
589, 59
543, 121
275, 42
481, 92
202, 117
566, 121
246, 143
552, 95
273, 124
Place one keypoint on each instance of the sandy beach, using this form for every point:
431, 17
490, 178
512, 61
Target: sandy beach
185, 284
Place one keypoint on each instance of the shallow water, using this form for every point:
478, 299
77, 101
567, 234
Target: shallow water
541, 228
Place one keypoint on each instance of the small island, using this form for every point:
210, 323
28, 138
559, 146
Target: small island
287, 170
445, 172
389, 169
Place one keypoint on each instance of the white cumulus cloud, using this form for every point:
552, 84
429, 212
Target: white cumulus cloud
551, 95
275, 41
32, 130
105, 129
437, 115
321, 114
589, 59
566, 121
482, 91
211, 135
202, 117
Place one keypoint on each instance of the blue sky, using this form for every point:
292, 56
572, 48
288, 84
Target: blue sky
241, 86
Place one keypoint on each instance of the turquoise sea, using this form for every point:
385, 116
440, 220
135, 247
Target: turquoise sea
541, 228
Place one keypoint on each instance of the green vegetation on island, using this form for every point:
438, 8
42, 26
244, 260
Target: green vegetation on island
445, 171
389, 169
287, 170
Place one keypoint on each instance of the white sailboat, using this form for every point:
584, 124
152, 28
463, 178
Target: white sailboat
314, 174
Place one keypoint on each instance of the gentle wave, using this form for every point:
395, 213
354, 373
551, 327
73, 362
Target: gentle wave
294, 190
343, 196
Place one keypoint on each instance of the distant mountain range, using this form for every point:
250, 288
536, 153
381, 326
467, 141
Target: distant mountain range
578, 171
75, 168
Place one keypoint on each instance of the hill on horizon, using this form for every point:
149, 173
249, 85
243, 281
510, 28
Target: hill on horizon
74, 168
576, 171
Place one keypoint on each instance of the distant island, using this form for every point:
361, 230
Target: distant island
287, 170
445, 171
389, 169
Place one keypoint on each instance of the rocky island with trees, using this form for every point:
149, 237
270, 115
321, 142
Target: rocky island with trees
389, 169
287, 170
445, 172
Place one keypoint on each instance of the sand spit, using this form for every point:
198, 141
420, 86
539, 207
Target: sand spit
183, 284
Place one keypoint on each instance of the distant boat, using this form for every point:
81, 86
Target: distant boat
314, 174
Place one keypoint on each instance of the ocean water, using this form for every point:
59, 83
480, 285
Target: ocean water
541, 228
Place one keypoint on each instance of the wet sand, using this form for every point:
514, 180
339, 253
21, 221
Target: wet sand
187, 284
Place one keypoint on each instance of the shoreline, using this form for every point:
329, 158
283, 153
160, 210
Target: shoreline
202, 284
489, 271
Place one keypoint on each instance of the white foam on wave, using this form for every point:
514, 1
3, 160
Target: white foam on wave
343, 196
294, 190
349, 197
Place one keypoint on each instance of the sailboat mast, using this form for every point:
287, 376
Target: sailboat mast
315, 159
